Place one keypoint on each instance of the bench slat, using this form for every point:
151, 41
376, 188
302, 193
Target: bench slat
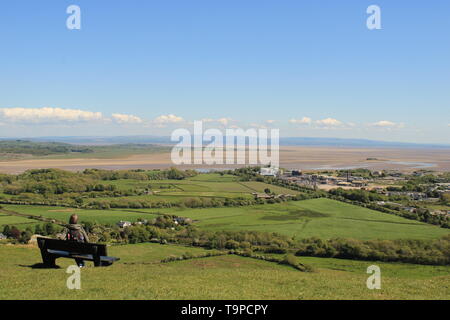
109, 259
65, 254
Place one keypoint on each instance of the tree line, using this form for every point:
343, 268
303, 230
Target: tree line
171, 229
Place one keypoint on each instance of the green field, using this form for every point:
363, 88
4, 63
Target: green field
139, 275
323, 218
259, 187
13, 220
210, 183
63, 214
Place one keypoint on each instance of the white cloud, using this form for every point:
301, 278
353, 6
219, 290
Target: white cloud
387, 124
304, 120
125, 118
166, 119
384, 123
329, 122
46, 115
271, 121
223, 121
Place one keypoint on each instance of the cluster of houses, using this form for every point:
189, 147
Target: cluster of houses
270, 172
395, 204
177, 220
441, 213
417, 196
313, 180
413, 209
124, 224
442, 188
316, 179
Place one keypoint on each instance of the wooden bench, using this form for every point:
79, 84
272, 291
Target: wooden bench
52, 249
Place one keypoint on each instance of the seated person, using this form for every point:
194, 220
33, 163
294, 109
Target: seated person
75, 232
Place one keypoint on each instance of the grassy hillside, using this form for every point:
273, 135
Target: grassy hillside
63, 214
201, 184
139, 187
13, 220
139, 275
323, 218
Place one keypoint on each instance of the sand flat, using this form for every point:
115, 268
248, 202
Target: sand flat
305, 158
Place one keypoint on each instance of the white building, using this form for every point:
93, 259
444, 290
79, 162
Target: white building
124, 224
269, 172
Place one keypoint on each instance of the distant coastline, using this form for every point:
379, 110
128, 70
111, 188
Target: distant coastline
286, 141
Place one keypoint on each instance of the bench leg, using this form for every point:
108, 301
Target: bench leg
97, 262
49, 260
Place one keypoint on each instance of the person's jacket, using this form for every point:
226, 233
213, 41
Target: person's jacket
75, 232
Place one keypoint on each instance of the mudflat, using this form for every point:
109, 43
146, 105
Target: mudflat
371, 158
304, 158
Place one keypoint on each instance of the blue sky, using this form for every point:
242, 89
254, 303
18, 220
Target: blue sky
309, 68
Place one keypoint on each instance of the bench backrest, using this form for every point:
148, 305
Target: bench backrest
72, 246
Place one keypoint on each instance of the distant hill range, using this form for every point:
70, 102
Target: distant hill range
17, 148
294, 141
355, 143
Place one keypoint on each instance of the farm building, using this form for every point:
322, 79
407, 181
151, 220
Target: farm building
344, 184
262, 196
269, 172
359, 183
124, 224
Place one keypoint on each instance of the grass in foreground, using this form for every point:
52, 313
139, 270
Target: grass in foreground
139, 275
